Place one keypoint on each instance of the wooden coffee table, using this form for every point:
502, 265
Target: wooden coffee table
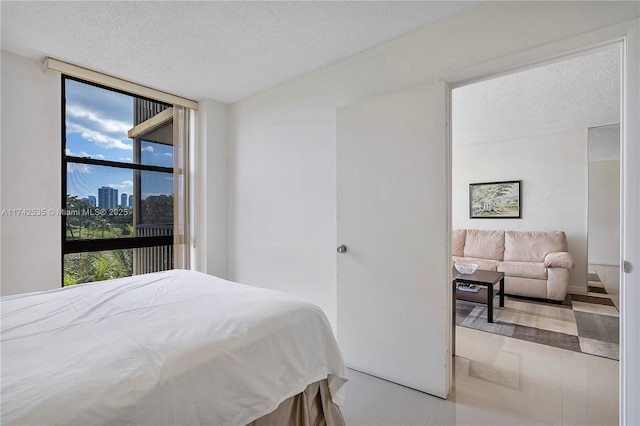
482, 278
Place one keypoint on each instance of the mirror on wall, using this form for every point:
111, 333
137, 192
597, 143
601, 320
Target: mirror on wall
603, 225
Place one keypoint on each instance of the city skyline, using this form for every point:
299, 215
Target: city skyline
150, 188
126, 200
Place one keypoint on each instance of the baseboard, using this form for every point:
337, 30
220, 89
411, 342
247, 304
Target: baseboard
617, 264
577, 290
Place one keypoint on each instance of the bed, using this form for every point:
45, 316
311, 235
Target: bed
168, 348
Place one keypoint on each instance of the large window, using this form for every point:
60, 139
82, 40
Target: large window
118, 183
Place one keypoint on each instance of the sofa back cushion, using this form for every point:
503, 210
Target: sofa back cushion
533, 246
484, 244
457, 242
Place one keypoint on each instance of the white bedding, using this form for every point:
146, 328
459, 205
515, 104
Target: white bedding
175, 347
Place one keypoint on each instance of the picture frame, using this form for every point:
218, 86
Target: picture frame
495, 200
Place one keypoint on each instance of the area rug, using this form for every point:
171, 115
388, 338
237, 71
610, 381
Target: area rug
582, 323
595, 284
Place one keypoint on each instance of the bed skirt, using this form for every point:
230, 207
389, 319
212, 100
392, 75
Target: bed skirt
312, 407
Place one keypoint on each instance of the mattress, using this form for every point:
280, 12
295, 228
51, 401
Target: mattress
173, 347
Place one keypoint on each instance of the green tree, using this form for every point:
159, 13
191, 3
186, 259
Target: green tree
78, 217
97, 266
157, 209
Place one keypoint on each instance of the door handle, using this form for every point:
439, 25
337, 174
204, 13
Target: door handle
342, 248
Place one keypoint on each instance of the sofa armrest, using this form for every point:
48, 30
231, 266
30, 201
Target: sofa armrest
559, 259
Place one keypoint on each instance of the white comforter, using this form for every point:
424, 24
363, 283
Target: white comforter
176, 347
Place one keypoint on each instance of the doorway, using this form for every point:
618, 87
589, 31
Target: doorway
533, 126
629, 36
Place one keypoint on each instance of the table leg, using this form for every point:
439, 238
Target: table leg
502, 292
489, 303
453, 327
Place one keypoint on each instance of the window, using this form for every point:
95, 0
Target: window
117, 183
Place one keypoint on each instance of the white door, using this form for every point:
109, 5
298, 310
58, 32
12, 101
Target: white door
394, 301
630, 282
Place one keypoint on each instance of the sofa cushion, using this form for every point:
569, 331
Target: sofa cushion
533, 246
483, 264
523, 269
484, 244
457, 242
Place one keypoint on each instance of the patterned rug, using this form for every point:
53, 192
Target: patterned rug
595, 284
582, 323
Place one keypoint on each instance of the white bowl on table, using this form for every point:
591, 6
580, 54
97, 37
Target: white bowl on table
466, 268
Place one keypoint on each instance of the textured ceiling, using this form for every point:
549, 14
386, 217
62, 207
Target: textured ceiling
229, 50
222, 50
576, 93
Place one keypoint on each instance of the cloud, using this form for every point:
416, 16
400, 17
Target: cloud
99, 138
78, 168
168, 154
126, 184
148, 148
82, 154
105, 124
126, 159
102, 102
95, 124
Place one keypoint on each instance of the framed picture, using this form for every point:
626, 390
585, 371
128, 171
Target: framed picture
495, 200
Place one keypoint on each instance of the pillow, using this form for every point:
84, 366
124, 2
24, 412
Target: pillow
457, 242
484, 244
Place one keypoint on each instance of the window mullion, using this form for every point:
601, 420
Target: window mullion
107, 163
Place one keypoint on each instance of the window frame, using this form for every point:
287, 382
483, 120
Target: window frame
102, 244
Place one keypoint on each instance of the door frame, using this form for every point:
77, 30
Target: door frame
553, 52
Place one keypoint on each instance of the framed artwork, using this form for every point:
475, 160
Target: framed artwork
495, 200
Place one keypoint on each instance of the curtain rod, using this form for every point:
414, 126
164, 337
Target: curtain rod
116, 83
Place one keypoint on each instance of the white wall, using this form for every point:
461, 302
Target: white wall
553, 171
31, 176
283, 162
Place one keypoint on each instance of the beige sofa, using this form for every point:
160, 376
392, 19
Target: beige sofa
535, 264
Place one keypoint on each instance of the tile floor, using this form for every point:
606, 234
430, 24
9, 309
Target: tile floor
498, 381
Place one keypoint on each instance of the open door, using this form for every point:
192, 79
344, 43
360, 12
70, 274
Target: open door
630, 277
394, 267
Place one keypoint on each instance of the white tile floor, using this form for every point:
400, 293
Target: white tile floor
498, 381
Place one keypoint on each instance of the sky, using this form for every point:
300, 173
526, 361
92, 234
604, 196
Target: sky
97, 121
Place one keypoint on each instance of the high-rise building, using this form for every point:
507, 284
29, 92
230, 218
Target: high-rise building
123, 200
131, 201
107, 197
92, 200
